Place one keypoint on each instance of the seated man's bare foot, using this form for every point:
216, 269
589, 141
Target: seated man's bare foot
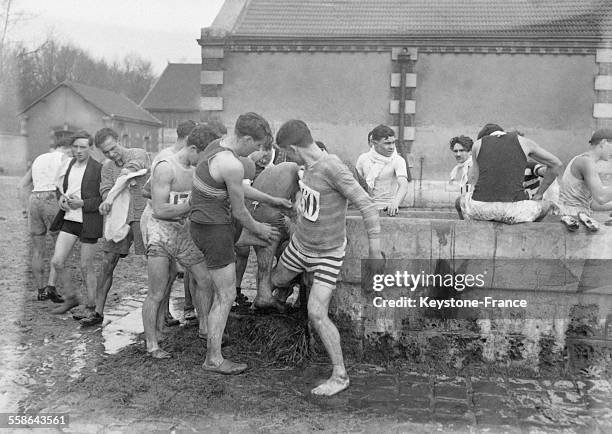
331, 386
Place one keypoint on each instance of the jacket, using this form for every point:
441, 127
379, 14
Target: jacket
93, 221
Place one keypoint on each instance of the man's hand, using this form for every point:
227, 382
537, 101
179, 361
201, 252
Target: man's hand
75, 202
392, 208
63, 203
104, 208
281, 202
267, 232
375, 254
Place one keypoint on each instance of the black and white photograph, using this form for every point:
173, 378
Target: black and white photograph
343, 216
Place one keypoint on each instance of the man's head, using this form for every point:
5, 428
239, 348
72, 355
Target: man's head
382, 138
252, 133
488, 129
461, 147
64, 145
81, 145
199, 138
601, 142
293, 137
184, 128
107, 141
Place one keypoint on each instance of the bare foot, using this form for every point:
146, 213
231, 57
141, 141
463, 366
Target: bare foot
331, 386
269, 306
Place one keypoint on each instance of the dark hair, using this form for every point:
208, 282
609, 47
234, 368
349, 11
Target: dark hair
104, 134
201, 136
216, 125
488, 129
294, 132
321, 145
253, 125
184, 128
64, 142
380, 132
464, 141
82, 134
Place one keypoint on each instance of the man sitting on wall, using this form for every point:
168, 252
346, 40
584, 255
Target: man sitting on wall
581, 188
461, 147
497, 174
384, 170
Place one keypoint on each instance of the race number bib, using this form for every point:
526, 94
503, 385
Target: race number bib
309, 203
178, 197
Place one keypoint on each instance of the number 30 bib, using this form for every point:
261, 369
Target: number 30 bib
309, 203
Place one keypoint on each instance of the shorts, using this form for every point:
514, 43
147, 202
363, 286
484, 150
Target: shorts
216, 242
510, 213
42, 209
75, 228
325, 265
172, 240
122, 248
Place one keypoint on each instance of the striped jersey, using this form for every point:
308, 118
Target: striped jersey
210, 203
326, 188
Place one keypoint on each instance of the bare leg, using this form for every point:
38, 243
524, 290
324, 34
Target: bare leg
318, 305
105, 279
88, 270
264, 298
38, 248
202, 285
157, 267
164, 311
225, 292
63, 247
242, 258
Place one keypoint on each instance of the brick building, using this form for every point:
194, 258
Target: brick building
432, 70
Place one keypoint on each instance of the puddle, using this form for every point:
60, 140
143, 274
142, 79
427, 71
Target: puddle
122, 332
78, 360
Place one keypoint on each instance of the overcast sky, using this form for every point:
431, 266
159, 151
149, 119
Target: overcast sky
157, 30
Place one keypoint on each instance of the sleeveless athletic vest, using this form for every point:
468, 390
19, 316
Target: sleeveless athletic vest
501, 170
210, 202
181, 185
574, 192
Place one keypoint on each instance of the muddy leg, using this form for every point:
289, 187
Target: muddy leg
265, 257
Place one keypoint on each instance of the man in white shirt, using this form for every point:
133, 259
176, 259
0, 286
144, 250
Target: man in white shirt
42, 209
384, 170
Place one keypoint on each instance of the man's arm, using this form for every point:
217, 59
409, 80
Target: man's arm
259, 196
541, 155
232, 173
161, 182
474, 172
345, 183
586, 167
139, 161
401, 174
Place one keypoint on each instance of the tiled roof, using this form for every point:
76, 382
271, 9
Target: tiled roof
556, 19
108, 102
178, 88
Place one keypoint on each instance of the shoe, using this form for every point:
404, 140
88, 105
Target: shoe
570, 223
42, 294
170, 321
82, 312
591, 224
242, 300
93, 319
53, 295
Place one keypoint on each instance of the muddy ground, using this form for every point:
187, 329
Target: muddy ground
48, 364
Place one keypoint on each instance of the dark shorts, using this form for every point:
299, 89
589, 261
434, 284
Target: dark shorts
216, 242
75, 228
122, 248
42, 209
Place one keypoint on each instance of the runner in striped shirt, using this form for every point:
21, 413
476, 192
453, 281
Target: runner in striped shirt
320, 237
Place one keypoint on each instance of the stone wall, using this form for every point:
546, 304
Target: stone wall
563, 277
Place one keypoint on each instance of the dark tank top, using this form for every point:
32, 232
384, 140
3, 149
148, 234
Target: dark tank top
210, 202
501, 170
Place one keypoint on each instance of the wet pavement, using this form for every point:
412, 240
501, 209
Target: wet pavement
48, 364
